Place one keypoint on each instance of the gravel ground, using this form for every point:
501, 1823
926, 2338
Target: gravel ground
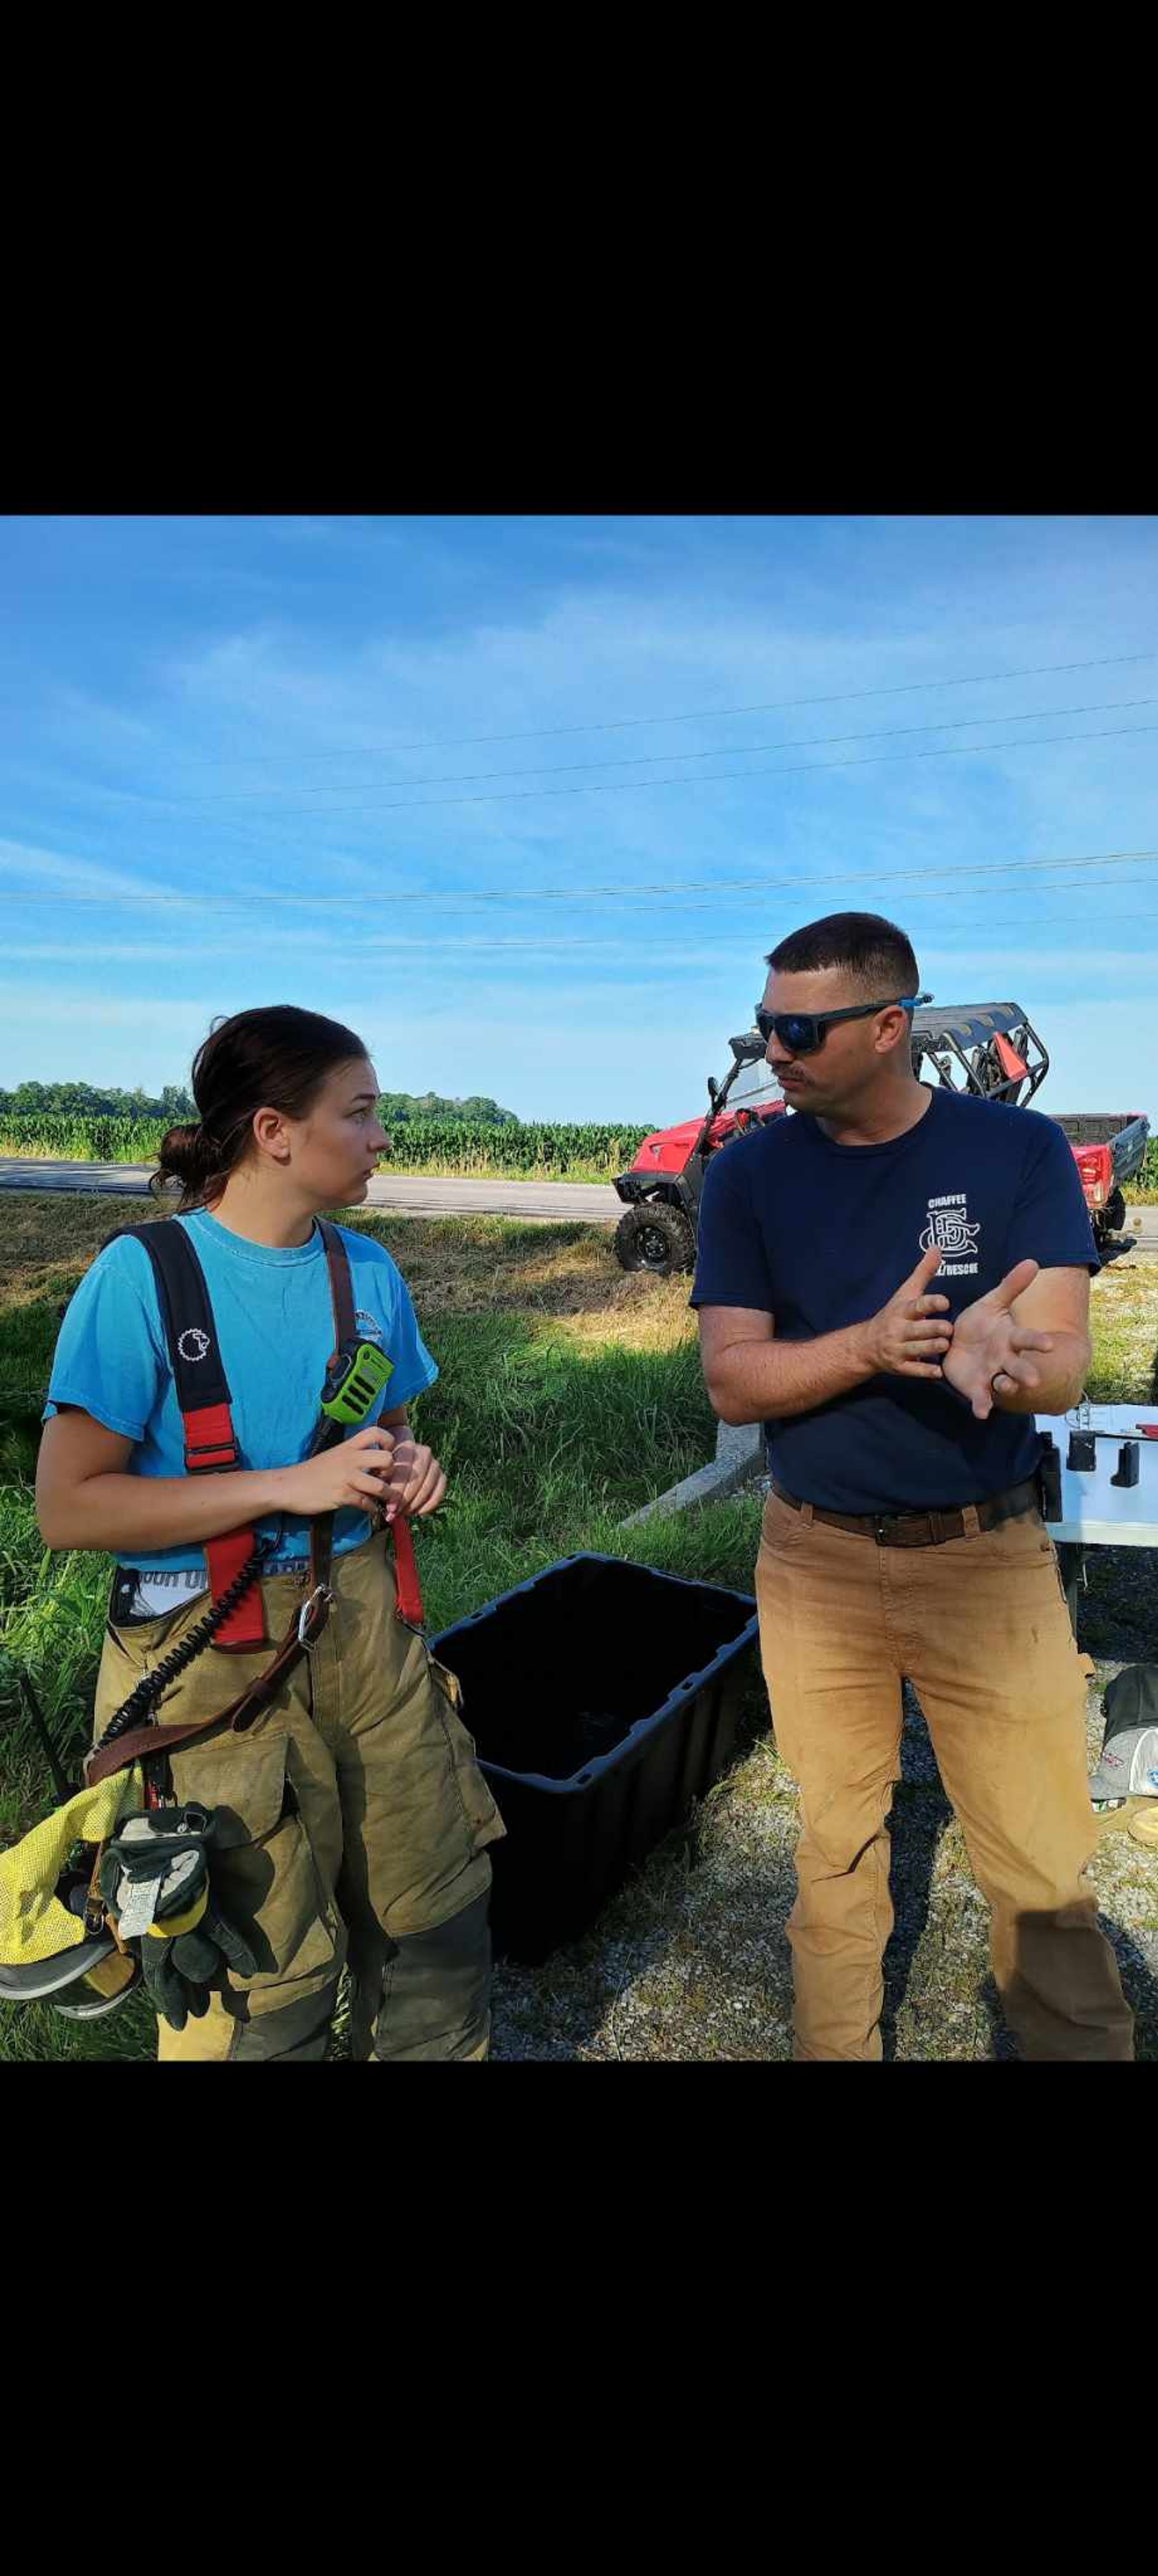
691, 1961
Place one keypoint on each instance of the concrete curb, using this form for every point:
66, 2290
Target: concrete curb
739, 1456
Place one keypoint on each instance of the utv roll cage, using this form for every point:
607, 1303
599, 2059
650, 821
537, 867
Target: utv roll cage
989, 1048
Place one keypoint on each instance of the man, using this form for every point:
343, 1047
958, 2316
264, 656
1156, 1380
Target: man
895, 1280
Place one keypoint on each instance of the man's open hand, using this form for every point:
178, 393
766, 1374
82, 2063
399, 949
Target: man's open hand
990, 1354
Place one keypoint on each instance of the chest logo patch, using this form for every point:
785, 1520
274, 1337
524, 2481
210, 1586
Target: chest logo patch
948, 1230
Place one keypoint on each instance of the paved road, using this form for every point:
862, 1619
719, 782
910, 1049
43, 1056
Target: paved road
412, 1194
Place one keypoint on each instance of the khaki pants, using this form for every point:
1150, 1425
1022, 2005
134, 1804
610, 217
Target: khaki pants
980, 1627
353, 1821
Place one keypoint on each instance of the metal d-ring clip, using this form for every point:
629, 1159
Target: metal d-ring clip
322, 1595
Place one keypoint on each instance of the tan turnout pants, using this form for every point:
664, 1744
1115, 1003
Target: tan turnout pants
980, 1627
353, 1821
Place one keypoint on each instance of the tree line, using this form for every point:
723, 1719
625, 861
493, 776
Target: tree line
83, 1100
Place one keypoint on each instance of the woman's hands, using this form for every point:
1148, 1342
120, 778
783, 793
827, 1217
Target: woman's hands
373, 1468
416, 1483
348, 1477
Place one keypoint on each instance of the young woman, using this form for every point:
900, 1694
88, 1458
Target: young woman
351, 1818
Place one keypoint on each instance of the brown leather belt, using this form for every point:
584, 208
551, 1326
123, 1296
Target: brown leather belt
924, 1529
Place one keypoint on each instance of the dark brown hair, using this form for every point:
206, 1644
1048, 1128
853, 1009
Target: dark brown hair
874, 951
277, 1058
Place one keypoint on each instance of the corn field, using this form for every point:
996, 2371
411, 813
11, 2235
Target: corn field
563, 1150
67, 1139
442, 1146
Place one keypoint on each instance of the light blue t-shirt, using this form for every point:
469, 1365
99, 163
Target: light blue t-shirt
275, 1328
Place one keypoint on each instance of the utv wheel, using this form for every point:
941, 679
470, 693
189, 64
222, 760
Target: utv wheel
1114, 1217
655, 1237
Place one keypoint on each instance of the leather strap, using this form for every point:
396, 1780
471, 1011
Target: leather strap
923, 1529
341, 1292
408, 1602
144, 1743
345, 1331
147, 1743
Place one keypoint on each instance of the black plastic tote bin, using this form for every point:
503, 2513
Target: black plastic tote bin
603, 1698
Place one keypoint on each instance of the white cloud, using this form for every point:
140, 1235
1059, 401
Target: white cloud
53, 872
105, 727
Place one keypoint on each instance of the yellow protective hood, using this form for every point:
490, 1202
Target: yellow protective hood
34, 1925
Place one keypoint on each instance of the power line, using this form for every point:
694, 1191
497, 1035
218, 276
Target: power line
564, 943
716, 777
357, 899
701, 715
637, 760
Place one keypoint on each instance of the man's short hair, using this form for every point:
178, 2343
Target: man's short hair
872, 951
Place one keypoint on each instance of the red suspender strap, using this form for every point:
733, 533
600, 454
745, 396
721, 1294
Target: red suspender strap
409, 1602
203, 1398
209, 1442
211, 1450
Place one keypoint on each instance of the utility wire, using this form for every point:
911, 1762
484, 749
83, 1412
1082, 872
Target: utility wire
700, 715
714, 777
358, 898
792, 769
637, 760
562, 943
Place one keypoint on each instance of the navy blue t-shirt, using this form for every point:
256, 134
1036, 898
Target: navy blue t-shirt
820, 1235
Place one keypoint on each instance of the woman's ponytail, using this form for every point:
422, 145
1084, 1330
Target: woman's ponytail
192, 1157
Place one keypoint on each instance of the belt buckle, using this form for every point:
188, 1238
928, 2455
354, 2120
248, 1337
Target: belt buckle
882, 1522
320, 1600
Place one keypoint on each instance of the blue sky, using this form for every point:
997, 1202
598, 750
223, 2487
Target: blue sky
525, 800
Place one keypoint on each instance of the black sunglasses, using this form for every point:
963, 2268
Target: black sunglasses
802, 1032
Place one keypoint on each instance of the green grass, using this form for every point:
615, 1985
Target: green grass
1144, 1191
1124, 1332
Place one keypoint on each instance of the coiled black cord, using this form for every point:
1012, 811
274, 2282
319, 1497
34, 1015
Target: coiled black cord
138, 1707
141, 1700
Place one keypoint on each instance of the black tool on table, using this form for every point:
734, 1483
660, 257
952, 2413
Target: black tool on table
1081, 1455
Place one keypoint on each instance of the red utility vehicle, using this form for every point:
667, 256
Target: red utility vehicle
988, 1048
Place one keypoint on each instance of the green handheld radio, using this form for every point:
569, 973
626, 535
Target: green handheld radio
355, 1378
